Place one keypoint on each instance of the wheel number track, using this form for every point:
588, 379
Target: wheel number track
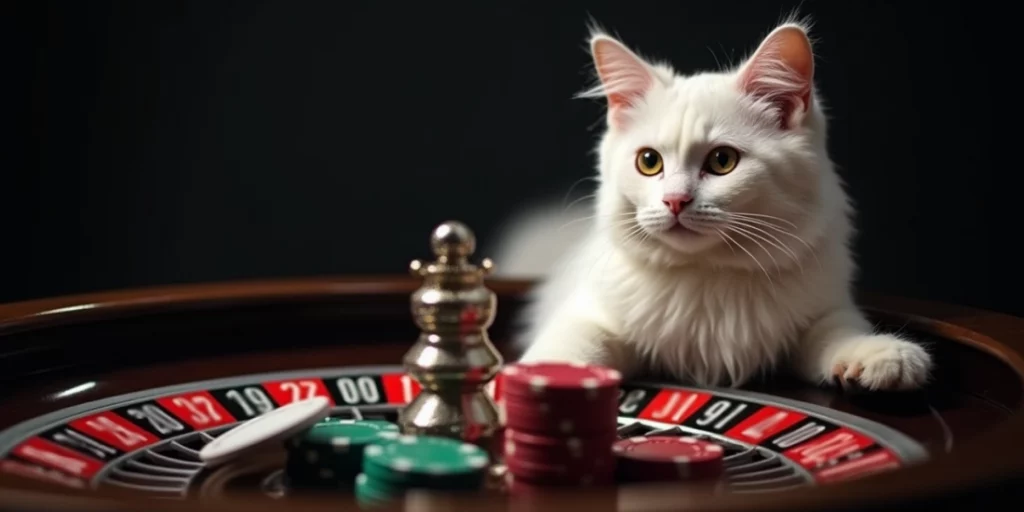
149, 441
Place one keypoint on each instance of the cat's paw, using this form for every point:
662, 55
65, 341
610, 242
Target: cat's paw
881, 362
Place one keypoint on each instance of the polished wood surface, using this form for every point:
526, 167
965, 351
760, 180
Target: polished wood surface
187, 333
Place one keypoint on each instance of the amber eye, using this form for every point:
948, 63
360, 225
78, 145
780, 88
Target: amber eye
649, 162
721, 160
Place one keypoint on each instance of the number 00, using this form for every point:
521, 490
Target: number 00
362, 389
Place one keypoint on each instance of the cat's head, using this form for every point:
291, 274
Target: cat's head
720, 165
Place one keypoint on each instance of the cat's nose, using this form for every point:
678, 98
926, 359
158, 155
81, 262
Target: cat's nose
676, 202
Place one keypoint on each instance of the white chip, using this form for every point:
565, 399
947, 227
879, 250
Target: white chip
538, 383
575, 446
402, 464
271, 427
341, 444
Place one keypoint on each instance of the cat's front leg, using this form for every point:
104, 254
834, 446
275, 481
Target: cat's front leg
841, 346
574, 339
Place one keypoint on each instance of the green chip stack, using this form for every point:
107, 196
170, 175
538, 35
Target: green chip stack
419, 462
329, 455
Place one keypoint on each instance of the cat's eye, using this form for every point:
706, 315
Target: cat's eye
649, 162
721, 160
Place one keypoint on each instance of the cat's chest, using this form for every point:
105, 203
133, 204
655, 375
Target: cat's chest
701, 306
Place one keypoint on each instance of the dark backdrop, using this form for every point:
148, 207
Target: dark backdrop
183, 141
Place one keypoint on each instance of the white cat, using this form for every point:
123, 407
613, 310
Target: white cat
719, 245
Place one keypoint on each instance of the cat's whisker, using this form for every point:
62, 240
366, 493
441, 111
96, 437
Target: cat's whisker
634, 233
625, 218
761, 222
757, 261
605, 257
758, 225
771, 240
578, 199
573, 186
761, 216
610, 215
768, 225
713, 56
740, 231
724, 239
618, 225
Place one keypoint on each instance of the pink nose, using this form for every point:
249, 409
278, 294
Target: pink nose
676, 202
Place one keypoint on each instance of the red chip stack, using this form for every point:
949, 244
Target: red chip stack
560, 424
668, 458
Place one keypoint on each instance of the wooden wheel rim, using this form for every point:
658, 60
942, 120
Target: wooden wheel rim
988, 460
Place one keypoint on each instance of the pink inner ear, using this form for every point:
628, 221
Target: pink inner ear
782, 73
624, 77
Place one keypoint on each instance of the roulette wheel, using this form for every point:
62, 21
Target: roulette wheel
111, 398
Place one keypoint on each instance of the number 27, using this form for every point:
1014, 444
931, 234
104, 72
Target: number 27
300, 390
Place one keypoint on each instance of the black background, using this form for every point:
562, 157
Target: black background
184, 141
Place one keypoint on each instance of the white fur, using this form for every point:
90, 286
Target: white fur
742, 294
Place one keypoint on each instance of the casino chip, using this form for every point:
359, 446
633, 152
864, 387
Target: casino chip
264, 430
558, 382
567, 450
420, 462
329, 454
560, 423
367, 496
668, 458
561, 399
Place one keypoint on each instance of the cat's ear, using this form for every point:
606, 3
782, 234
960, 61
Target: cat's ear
625, 77
781, 73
